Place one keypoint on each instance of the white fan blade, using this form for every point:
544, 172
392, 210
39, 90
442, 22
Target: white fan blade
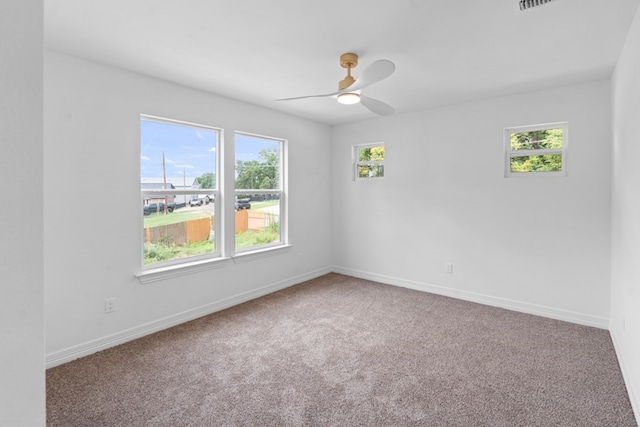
308, 96
378, 70
376, 106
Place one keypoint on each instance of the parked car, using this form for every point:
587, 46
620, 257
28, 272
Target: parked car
157, 207
195, 202
243, 204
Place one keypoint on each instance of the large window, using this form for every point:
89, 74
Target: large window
538, 149
178, 164
368, 161
259, 195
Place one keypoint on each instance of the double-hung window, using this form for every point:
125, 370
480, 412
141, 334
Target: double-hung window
368, 161
536, 150
179, 190
259, 192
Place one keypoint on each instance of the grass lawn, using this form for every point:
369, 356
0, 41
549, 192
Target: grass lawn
158, 252
157, 219
265, 204
251, 238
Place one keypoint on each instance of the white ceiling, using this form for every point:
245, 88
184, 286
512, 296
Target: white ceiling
445, 51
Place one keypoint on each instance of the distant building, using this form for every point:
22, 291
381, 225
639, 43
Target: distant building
147, 199
173, 182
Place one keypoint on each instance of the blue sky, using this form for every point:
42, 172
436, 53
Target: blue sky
188, 150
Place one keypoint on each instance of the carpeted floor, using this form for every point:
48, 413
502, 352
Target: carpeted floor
340, 351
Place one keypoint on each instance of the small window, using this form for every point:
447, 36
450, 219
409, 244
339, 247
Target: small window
179, 191
259, 192
538, 149
368, 161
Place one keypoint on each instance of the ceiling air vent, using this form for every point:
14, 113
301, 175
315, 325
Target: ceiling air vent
530, 4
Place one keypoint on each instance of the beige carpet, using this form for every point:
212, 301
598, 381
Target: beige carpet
339, 351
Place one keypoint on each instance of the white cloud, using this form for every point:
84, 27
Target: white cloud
144, 158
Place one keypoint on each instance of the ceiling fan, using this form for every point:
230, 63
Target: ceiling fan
350, 90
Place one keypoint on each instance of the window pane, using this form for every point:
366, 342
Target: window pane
178, 234
258, 167
537, 140
258, 163
181, 157
184, 155
370, 171
371, 154
544, 163
259, 224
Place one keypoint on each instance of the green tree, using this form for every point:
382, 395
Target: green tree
370, 154
207, 180
263, 174
537, 140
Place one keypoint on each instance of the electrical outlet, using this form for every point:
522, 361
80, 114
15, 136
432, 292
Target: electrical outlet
448, 267
110, 305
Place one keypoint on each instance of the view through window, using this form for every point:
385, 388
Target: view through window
259, 198
537, 149
369, 161
179, 188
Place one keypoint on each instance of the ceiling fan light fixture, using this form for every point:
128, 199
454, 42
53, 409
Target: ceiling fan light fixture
350, 90
348, 98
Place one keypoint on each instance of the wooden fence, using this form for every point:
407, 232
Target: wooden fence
181, 233
197, 230
242, 221
254, 220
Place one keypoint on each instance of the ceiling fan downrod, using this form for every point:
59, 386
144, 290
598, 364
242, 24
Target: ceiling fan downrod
348, 61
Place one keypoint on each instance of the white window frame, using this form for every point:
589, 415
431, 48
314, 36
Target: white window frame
241, 254
196, 260
356, 163
509, 153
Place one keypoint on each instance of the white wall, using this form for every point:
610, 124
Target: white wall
22, 385
93, 248
535, 244
625, 278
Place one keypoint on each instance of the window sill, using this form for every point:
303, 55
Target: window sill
171, 271
534, 174
260, 253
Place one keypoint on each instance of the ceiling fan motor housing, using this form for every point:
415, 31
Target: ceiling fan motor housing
346, 82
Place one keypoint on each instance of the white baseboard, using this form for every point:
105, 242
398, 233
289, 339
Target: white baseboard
520, 306
66, 355
632, 391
